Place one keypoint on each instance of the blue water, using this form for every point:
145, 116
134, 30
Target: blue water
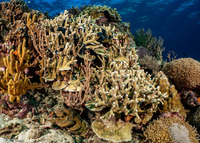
176, 21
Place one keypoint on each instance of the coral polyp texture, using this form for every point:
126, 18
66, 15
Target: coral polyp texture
170, 129
86, 63
184, 72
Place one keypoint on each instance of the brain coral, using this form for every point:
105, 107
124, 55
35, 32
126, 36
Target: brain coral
184, 72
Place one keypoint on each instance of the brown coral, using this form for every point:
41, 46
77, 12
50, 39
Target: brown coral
171, 130
67, 118
112, 131
184, 72
151, 64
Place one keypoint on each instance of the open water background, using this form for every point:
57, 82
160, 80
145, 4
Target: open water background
176, 21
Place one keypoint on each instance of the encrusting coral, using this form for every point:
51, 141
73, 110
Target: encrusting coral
10, 130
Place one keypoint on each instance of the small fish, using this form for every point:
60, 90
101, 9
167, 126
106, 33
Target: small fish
56, 52
15, 53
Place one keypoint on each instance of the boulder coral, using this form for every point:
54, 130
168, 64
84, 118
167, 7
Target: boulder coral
184, 72
171, 130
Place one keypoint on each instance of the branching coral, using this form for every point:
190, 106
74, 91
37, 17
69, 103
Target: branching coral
13, 80
125, 89
97, 12
150, 64
173, 103
147, 40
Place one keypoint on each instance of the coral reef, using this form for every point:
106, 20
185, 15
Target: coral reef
150, 64
102, 12
87, 65
194, 118
13, 80
67, 118
171, 130
148, 41
184, 73
11, 128
116, 131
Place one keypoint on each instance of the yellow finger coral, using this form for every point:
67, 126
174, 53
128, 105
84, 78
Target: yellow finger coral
13, 80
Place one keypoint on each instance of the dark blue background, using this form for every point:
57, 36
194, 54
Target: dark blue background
176, 21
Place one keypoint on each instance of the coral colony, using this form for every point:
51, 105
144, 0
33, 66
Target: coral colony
83, 77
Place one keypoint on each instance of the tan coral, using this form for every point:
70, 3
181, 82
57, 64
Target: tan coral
74, 85
184, 72
68, 118
96, 12
170, 129
115, 131
150, 63
123, 88
59, 85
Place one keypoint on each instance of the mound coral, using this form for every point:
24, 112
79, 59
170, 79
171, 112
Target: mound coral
98, 12
170, 129
184, 73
